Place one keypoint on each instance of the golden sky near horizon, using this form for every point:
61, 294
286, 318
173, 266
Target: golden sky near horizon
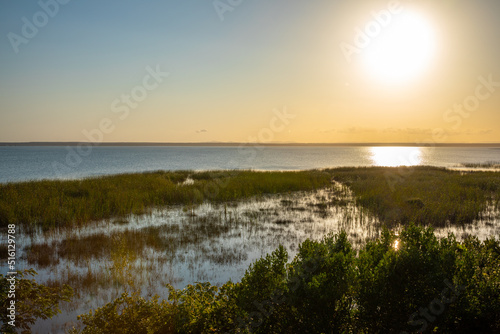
280, 71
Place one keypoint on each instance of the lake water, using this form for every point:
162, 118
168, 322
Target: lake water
21, 163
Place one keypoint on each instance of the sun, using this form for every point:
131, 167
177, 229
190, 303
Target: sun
403, 50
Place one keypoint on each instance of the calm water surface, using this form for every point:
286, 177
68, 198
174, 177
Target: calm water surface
34, 163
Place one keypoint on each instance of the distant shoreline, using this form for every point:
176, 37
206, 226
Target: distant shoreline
215, 144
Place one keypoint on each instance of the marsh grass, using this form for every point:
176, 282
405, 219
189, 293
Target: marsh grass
489, 164
42, 255
424, 195
50, 204
427, 195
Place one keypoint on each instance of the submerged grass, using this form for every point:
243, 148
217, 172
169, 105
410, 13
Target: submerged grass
54, 203
426, 195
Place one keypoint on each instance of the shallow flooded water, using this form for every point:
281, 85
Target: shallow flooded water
183, 245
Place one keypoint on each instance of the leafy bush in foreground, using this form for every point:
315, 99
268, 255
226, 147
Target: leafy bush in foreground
32, 301
422, 284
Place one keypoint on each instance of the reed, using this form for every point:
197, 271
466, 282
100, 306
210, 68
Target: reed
54, 203
425, 195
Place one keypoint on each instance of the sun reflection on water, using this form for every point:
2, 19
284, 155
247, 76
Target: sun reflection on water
396, 156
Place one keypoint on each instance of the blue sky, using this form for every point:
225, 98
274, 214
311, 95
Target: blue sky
226, 77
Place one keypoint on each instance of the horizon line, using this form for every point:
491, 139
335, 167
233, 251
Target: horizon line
232, 144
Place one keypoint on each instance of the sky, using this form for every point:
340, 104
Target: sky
292, 71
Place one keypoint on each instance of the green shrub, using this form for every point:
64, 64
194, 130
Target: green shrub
260, 294
129, 314
320, 282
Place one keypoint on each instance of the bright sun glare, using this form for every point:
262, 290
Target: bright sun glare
403, 50
396, 156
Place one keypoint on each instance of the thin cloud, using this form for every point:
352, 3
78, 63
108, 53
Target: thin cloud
357, 130
327, 131
469, 132
408, 131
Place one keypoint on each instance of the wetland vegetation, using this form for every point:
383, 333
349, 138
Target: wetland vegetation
119, 240
50, 204
424, 195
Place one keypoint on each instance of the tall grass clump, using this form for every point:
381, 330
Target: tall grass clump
426, 195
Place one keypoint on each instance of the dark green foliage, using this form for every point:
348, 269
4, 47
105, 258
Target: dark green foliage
261, 293
478, 269
393, 284
130, 314
320, 282
422, 284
